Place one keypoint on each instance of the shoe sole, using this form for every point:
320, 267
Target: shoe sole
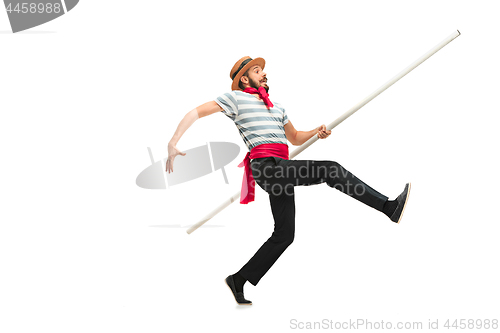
406, 201
231, 290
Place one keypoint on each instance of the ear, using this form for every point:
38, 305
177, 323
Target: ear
244, 79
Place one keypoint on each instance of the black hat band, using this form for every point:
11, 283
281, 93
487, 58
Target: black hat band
241, 66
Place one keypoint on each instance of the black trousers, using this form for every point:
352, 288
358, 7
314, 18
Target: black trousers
278, 177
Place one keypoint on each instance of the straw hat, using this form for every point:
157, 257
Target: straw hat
241, 66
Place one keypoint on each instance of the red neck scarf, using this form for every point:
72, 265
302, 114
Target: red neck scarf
262, 94
262, 150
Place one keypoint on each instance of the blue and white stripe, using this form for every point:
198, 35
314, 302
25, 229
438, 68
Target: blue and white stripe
256, 123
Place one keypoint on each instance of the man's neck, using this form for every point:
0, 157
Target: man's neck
256, 95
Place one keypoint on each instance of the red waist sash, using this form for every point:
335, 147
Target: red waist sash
262, 150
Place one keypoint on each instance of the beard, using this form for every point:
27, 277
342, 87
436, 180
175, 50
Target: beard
256, 85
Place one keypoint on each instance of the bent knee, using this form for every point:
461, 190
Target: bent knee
285, 238
334, 164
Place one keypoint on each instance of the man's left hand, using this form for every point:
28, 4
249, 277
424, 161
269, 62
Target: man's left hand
323, 133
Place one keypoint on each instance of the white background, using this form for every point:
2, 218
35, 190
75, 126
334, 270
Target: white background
83, 249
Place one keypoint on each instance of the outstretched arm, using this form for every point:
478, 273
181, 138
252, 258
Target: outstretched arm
186, 122
297, 138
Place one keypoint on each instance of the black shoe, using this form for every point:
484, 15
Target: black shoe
238, 296
402, 200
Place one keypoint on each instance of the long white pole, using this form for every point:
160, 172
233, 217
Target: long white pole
340, 119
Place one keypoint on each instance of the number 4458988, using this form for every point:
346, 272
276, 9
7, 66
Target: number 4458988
472, 324
27, 7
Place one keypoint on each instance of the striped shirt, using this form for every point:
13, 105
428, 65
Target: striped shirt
256, 123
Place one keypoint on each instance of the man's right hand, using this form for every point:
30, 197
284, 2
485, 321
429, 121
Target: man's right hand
172, 153
190, 117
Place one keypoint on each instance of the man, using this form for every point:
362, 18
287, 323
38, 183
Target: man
265, 129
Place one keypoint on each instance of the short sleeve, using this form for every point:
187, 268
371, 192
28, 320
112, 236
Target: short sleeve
285, 117
228, 104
